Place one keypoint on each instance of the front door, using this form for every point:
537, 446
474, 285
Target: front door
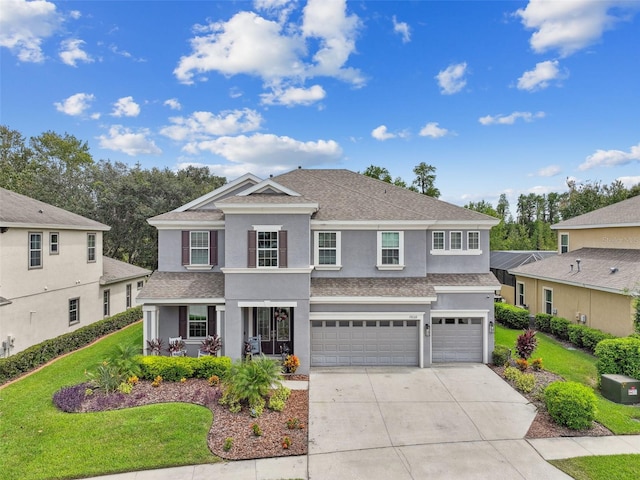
275, 327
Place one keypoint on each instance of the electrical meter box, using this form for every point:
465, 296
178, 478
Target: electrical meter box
620, 389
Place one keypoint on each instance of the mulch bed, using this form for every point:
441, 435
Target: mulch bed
237, 426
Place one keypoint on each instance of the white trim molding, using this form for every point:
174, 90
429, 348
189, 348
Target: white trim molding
373, 300
366, 315
267, 304
261, 270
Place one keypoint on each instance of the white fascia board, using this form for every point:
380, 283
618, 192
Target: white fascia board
589, 227
465, 289
267, 270
266, 184
366, 315
262, 208
458, 313
55, 226
180, 301
187, 224
267, 303
617, 291
397, 225
208, 197
372, 300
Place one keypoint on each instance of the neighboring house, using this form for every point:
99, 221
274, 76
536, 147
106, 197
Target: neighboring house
596, 276
53, 277
502, 261
331, 265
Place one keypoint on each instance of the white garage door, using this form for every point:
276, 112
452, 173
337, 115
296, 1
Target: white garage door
456, 340
364, 342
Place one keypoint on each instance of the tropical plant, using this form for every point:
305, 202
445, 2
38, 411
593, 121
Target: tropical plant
526, 344
123, 358
176, 345
211, 344
154, 346
291, 363
251, 381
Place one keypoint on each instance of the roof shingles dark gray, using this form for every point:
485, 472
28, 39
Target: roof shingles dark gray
116, 271
624, 213
183, 285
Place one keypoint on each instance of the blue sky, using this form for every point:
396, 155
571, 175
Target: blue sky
501, 97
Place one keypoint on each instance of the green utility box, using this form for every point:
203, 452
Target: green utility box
620, 388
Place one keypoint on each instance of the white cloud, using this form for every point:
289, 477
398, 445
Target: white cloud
125, 107
204, 125
510, 119
569, 26
550, 171
121, 139
611, 158
451, 80
251, 44
629, 181
294, 96
539, 77
173, 104
269, 150
75, 14
432, 130
403, 29
25, 25
381, 133
75, 105
71, 52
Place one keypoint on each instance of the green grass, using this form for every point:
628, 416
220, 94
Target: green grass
620, 467
577, 366
37, 441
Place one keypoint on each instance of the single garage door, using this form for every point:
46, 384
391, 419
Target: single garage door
456, 340
364, 342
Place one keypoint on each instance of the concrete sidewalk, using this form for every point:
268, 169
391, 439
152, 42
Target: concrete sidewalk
450, 421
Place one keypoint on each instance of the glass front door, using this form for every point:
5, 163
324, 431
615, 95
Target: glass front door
274, 325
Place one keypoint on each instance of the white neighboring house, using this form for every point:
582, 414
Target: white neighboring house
53, 277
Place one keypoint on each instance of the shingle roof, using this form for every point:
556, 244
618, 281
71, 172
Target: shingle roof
463, 280
183, 285
116, 271
191, 215
21, 211
595, 270
508, 259
623, 214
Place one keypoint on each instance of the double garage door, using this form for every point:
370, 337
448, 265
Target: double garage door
393, 342
364, 342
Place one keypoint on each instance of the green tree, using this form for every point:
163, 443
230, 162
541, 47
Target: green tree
379, 173
425, 180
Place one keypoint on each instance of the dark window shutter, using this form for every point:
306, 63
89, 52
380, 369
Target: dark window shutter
182, 321
185, 247
211, 320
282, 248
253, 239
213, 247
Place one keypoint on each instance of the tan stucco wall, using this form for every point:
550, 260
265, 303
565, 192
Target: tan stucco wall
508, 293
622, 237
605, 311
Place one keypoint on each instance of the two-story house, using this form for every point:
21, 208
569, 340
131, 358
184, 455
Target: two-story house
595, 278
53, 277
334, 266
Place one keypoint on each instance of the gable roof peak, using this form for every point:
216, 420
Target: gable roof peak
266, 186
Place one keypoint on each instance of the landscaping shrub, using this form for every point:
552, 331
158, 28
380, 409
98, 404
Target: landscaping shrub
525, 382
575, 334
619, 356
37, 355
207, 367
250, 381
69, 399
542, 322
526, 343
500, 355
171, 369
591, 337
571, 404
559, 327
511, 316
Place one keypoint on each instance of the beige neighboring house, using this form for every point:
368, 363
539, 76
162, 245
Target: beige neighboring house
53, 277
596, 276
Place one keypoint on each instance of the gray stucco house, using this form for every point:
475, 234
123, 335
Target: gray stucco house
339, 268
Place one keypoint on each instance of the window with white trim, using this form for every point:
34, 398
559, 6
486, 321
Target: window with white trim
199, 247
106, 303
267, 248
128, 295
35, 250
473, 240
74, 311
140, 284
54, 243
564, 242
455, 240
327, 251
197, 321
390, 250
438, 240
91, 247
547, 295
520, 294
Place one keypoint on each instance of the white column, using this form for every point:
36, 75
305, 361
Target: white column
149, 324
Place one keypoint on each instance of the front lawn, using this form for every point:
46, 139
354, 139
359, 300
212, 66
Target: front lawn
37, 441
620, 467
577, 366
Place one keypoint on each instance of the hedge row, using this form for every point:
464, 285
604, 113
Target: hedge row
37, 355
174, 369
511, 316
619, 356
580, 335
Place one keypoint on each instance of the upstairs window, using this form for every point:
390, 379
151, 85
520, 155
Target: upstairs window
267, 247
91, 247
564, 243
54, 243
327, 251
199, 249
473, 240
390, 250
455, 240
35, 250
438, 240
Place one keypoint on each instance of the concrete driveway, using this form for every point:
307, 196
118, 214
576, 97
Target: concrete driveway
450, 421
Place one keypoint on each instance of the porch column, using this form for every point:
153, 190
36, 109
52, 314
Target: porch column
150, 324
